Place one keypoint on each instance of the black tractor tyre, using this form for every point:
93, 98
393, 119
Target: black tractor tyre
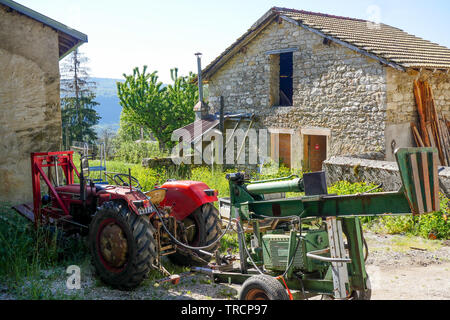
122, 245
206, 223
262, 287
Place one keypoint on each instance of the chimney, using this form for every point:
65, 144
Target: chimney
203, 105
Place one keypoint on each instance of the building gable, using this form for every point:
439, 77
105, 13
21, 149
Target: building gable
390, 46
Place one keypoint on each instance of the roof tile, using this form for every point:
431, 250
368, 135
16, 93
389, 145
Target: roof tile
389, 43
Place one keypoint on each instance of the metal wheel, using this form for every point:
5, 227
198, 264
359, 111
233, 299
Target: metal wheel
202, 227
256, 294
262, 287
122, 245
112, 245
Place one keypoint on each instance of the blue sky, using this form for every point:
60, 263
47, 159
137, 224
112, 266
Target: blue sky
166, 33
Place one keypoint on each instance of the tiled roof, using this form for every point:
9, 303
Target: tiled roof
393, 46
68, 38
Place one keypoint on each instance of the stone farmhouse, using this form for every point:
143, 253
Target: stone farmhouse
31, 46
324, 85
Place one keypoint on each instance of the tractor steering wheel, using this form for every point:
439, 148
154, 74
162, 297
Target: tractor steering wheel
125, 180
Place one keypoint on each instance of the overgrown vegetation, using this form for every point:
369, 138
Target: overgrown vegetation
25, 252
134, 152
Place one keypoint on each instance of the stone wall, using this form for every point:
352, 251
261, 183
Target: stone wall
334, 88
30, 117
372, 171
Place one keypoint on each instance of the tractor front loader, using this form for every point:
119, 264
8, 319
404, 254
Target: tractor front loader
128, 229
314, 245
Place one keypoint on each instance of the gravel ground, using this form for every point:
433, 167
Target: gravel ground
400, 268
403, 268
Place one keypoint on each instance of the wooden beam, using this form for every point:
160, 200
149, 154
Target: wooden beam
279, 51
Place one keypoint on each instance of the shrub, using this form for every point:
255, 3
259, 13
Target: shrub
134, 152
345, 187
432, 226
25, 250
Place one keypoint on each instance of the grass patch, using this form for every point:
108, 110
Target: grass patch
26, 251
399, 243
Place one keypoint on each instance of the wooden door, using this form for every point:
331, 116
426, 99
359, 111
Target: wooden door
315, 152
284, 148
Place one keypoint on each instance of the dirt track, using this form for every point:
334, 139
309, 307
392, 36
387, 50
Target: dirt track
397, 272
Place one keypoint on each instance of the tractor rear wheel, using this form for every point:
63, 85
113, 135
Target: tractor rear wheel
202, 228
262, 287
122, 245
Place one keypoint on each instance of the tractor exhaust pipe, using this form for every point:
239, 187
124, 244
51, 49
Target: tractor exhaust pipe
203, 107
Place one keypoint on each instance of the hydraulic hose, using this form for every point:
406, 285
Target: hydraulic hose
241, 231
188, 246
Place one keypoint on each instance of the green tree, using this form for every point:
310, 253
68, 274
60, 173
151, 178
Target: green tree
78, 119
160, 109
77, 101
128, 132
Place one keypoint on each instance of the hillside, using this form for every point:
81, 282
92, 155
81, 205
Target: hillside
109, 108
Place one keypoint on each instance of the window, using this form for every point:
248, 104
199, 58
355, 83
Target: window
286, 73
281, 87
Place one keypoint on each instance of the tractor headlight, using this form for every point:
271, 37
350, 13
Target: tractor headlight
156, 195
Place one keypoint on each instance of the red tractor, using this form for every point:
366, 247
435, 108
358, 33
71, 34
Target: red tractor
128, 230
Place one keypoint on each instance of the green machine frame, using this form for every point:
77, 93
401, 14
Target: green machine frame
332, 268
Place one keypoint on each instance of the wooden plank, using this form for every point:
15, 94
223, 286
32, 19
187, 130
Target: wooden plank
436, 202
445, 141
437, 142
417, 137
279, 51
420, 111
416, 182
430, 135
437, 128
426, 181
25, 210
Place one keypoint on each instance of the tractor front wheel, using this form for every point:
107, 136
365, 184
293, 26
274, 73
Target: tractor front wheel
262, 287
202, 228
122, 245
